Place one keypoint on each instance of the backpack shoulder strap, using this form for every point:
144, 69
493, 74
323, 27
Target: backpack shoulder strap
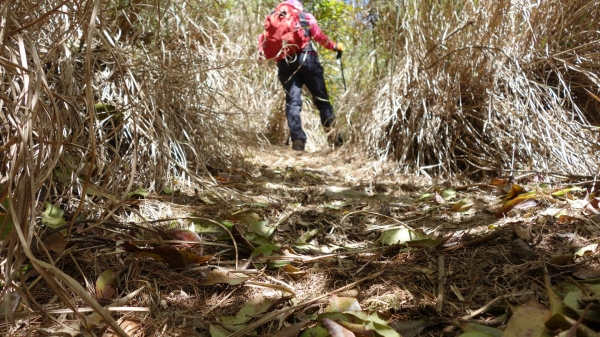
304, 23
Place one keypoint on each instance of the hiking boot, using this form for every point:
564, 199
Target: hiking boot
298, 145
335, 139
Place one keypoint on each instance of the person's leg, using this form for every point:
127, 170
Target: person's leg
311, 73
292, 84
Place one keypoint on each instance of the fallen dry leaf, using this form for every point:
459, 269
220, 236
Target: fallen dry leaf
335, 329
562, 260
586, 272
166, 254
55, 242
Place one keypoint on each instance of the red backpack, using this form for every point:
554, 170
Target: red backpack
286, 32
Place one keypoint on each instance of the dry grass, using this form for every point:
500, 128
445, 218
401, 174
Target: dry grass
99, 98
503, 85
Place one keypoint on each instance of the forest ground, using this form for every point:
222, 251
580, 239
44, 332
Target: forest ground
338, 215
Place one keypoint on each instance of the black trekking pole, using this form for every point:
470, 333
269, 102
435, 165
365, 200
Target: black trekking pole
339, 61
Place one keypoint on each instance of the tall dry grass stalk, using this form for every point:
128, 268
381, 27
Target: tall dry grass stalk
100, 97
485, 85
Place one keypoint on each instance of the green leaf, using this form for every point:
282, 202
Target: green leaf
573, 300
219, 276
140, 191
306, 236
106, 284
317, 331
449, 194
383, 330
257, 239
342, 304
564, 323
426, 196
53, 216
262, 228
168, 190
374, 317
218, 331
265, 250
104, 107
203, 226
565, 191
589, 249
256, 306
206, 200
63, 176
401, 235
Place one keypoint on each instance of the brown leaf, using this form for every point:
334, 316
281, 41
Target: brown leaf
564, 219
183, 235
523, 233
586, 272
244, 217
239, 235
522, 250
130, 327
292, 270
509, 205
166, 254
129, 247
461, 206
498, 182
170, 255
55, 242
592, 206
515, 191
221, 276
562, 260
195, 258
595, 203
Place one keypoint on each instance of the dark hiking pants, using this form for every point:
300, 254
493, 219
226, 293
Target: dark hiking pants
304, 69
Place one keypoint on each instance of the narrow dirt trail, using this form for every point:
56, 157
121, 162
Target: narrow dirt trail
348, 202
455, 267
343, 166
326, 228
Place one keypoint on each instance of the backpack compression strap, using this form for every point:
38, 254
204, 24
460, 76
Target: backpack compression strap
304, 23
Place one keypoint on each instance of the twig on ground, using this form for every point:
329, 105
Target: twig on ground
441, 284
490, 303
274, 314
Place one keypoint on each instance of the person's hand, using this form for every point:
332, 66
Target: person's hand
339, 48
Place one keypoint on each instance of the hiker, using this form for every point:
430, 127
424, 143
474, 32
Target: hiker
298, 65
